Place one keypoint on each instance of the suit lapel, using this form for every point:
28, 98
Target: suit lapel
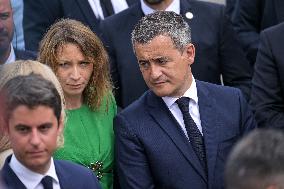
209, 126
62, 175
160, 112
131, 2
10, 177
88, 13
279, 7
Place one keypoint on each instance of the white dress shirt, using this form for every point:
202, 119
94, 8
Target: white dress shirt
174, 6
12, 56
117, 5
193, 107
30, 179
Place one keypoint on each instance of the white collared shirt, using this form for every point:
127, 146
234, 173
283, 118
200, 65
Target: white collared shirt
12, 56
117, 5
30, 179
193, 107
97, 9
174, 6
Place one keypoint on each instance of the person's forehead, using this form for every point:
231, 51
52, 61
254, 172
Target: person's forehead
5, 6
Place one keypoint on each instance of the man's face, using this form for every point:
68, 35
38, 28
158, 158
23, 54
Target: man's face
6, 26
33, 134
165, 69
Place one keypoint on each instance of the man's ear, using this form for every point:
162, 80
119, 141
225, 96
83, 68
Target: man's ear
190, 53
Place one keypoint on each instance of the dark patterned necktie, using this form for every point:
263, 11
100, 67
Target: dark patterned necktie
47, 182
194, 135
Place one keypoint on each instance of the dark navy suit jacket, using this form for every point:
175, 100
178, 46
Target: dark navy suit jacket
253, 16
153, 152
268, 80
39, 15
217, 50
70, 175
25, 55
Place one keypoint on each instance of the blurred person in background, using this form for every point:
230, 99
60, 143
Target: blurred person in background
7, 52
256, 162
39, 15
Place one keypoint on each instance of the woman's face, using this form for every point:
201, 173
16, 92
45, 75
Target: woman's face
74, 70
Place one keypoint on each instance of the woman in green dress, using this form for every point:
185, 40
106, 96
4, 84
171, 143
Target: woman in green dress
79, 60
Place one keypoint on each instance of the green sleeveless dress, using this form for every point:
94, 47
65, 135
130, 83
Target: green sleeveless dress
89, 140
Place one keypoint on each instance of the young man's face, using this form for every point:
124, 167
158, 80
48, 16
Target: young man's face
33, 134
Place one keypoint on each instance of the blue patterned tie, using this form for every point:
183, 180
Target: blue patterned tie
193, 132
47, 182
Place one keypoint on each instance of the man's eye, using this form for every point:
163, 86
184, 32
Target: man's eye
144, 64
162, 61
22, 129
44, 128
4, 16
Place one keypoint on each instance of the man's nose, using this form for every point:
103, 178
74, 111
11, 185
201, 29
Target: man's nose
155, 71
35, 138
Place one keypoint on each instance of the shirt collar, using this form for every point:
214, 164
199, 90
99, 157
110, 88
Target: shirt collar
174, 6
28, 177
12, 56
190, 93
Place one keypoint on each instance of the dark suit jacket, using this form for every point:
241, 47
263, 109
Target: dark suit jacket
230, 7
252, 16
25, 55
153, 152
39, 15
70, 175
217, 50
268, 80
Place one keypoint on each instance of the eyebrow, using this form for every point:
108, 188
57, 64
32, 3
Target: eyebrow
41, 125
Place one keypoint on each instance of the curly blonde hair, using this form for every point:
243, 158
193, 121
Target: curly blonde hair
70, 31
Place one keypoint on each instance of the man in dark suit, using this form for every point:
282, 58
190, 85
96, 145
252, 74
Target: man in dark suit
256, 162
179, 133
7, 52
253, 16
32, 117
39, 15
218, 51
267, 96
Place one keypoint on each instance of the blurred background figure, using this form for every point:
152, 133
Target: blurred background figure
267, 97
18, 39
218, 51
79, 60
39, 15
7, 52
21, 67
253, 16
256, 162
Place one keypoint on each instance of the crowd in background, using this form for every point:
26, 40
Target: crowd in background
102, 55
